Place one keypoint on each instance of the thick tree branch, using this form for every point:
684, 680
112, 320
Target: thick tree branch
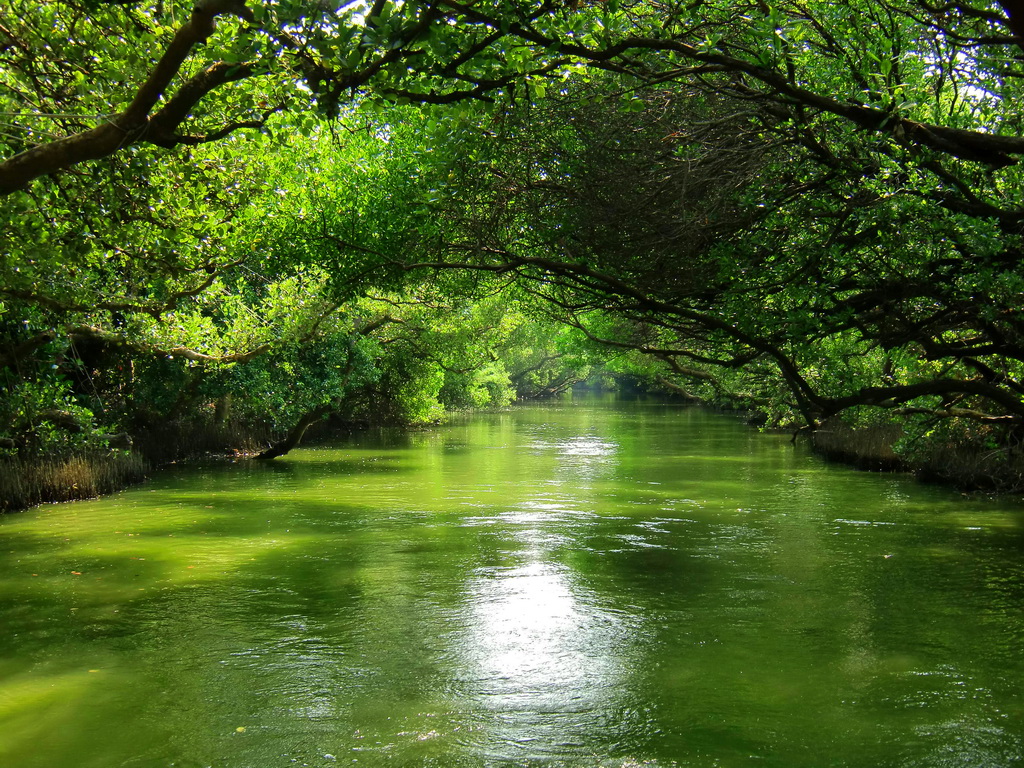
897, 394
1014, 10
131, 124
164, 123
92, 333
154, 309
298, 431
988, 148
13, 355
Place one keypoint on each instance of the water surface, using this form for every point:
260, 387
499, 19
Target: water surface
587, 583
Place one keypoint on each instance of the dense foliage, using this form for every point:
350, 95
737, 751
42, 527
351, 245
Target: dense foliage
250, 216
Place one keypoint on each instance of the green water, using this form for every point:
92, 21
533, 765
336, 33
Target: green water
579, 584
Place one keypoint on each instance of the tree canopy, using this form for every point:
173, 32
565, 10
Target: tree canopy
270, 212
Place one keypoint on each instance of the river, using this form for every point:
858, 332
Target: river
582, 583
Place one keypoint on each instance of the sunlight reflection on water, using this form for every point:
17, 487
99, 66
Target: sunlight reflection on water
559, 587
542, 655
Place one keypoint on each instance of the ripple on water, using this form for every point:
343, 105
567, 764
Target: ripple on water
594, 590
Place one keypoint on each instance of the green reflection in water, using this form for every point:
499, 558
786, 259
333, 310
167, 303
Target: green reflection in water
580, 584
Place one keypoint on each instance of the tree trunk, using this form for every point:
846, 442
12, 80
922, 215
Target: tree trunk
222, 410
294, 437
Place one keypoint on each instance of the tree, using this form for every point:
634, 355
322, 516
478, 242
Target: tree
812, 207
226, 66
703, 232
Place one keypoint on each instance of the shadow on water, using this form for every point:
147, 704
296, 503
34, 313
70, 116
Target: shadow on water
564, 585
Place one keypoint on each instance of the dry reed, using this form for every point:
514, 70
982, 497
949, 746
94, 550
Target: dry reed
24, 483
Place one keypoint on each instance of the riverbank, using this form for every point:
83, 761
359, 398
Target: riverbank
964, 465
967, 461
28, 483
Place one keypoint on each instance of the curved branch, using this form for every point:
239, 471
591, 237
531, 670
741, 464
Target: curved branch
130, 125
296, 433
1014, 10
92, 333
957, 413
154, 309
14, 354
165, 121
988, 148
897, 394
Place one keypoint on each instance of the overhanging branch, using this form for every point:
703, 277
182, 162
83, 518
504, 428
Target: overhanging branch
129, 126
93, 333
